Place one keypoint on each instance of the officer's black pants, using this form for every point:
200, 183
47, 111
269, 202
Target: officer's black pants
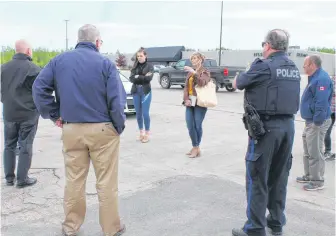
267, 168
24, 132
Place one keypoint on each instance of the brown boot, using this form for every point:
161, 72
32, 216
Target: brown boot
141, 136
189, 153
199, 151
195, 152
145, 137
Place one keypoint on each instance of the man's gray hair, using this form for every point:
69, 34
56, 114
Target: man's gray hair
316, 60
278, 39
88, 33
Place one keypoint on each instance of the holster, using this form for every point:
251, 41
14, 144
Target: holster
253, 124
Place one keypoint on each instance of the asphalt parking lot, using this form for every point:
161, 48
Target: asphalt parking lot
162, 192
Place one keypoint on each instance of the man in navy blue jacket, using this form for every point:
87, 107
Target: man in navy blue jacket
315, 110
89, 106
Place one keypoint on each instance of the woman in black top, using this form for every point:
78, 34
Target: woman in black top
141, 76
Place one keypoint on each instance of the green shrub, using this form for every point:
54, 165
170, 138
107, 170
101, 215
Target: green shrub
41, 56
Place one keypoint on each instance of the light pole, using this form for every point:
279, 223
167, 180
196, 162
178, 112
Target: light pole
66, 34
220, 39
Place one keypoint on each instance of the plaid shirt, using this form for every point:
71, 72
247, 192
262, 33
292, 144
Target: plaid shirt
333, 78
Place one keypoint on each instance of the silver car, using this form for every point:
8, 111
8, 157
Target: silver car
124, 75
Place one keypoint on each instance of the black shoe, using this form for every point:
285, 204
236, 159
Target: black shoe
26, 183
303, 179
65, 234
239, 232
329, 156
10, 182
121, 231
275, 231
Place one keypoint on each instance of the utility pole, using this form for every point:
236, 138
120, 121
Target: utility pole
66, 35
220, 39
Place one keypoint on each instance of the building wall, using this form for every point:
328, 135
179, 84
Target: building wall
243, 57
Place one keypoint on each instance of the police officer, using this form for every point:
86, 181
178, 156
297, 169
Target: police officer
272, 88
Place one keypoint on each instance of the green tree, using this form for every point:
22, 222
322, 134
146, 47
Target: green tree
41, 56
323, 49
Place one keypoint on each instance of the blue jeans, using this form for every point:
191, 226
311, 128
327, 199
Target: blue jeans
194, 118
142, 104
327, 139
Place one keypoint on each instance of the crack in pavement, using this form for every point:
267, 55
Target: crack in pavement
23, 210
29, 200
53, 171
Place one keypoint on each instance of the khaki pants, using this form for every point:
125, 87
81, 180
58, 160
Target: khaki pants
313, 158
100, 143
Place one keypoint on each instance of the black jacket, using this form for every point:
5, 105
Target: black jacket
143, 79
17, 78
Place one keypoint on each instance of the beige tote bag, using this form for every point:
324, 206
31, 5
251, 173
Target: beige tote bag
207, 96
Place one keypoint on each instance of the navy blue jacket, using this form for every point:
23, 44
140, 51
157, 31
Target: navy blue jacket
316, 98
87, 86
258, 73
272, 85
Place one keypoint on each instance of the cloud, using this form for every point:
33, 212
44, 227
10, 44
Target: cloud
320, 19
111, 30
259, 14
118, 26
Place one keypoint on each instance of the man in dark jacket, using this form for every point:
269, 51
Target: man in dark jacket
19, 113
315, 110
89, 106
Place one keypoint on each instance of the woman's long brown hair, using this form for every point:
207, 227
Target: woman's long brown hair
136, 62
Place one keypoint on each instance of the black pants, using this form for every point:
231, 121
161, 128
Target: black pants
327, 139
24, 132
267, 169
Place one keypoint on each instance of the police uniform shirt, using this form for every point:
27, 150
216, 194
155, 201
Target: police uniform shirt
272, 95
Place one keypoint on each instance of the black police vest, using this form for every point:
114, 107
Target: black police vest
280, 95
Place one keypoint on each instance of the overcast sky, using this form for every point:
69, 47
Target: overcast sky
128, 25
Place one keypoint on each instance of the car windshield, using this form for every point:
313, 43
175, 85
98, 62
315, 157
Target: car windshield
124, 75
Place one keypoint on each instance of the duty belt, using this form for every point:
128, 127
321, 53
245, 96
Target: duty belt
270, 117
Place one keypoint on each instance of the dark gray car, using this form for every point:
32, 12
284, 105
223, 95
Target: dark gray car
222, 75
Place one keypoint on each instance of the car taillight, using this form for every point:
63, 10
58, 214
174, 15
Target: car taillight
226, 72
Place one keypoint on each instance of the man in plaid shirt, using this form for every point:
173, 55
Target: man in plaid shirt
327, 140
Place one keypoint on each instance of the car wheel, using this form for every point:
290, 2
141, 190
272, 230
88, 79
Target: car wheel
215, 82
165, 82
230, 88
182, 86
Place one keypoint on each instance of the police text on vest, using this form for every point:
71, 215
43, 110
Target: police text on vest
288, 73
